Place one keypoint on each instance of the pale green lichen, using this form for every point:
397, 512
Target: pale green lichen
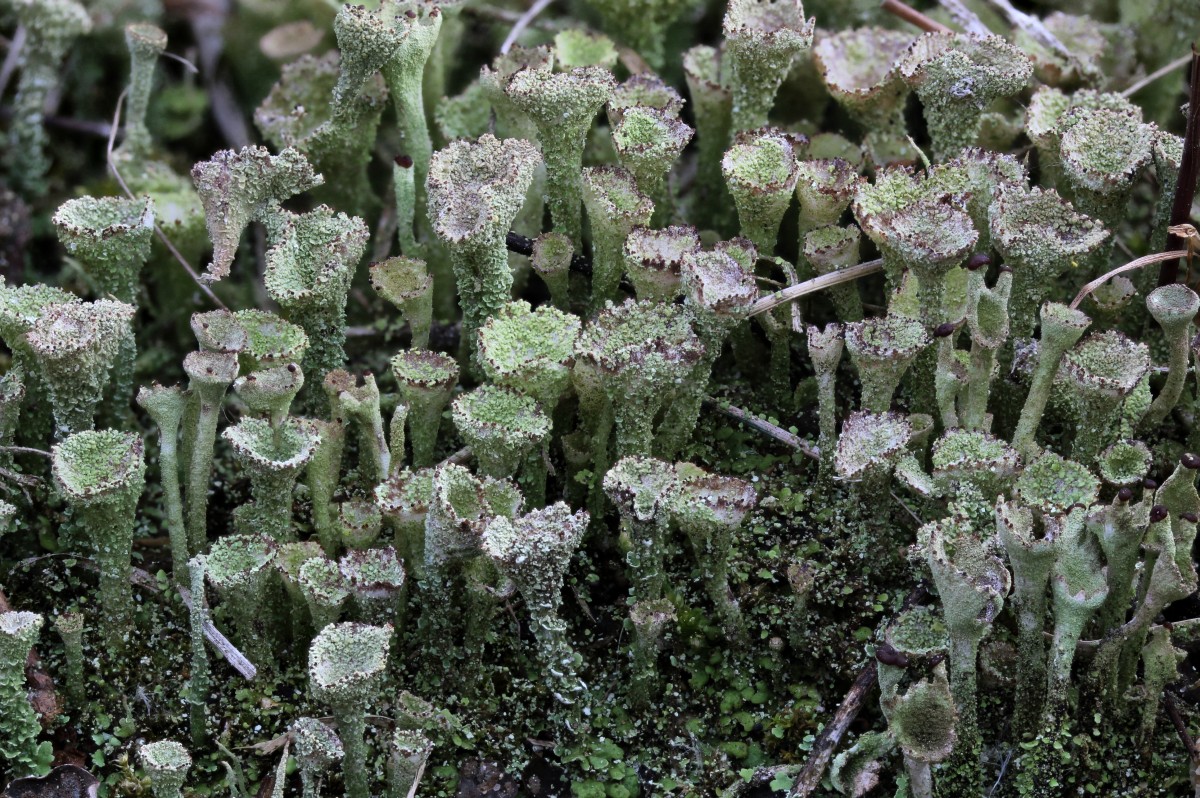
534, 550
317, 748
20, 726
972, 585
376, 578
297, 113
426, 380
882, 348
146, 43
274, 458
1062, 327
574, 47
761, 171
403, 499
615, 206
346, 668
1100, 372
645, 491
475, 191
1052, 485
1173, 307
858, 67
209, 374
325, 591
957, 77
830, 249
648, 142
165, 406
101, 475
167, 763
360, 522
407, 284
51, 27
76, 346
111, 237
712, 103
238, 566
530, 350
562, 106
642, 354
248, 185
359, 404
502, 426
309, 268
654, 260
762, 37
710, 508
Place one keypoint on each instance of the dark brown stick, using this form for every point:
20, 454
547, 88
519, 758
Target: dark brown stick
827, 741
580, 264
1189, 168
913, 17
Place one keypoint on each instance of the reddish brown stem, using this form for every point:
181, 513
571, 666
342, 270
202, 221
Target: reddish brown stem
1189, 168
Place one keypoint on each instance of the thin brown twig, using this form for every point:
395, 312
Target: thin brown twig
112, 165
523, 22
1145, 260
1162, 71
1186, 738
26, 450
794, 292
829, 738
764, 426
914, 17
1189, 170
12, 58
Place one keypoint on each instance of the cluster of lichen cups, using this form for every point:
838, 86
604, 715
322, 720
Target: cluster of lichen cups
368, 538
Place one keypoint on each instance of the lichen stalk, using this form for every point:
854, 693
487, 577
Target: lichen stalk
761, 39
76, 346
615, 206
1061, 328
50, 28
146, 43
346, 668
1173, 307
198, 680
210, 375
70, 628
165, 407
534, 551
